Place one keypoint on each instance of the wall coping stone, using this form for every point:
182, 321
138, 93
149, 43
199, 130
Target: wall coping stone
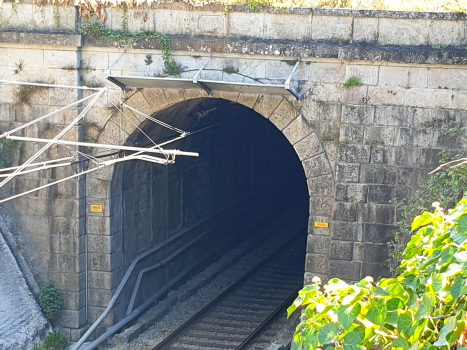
49, 39
294, 49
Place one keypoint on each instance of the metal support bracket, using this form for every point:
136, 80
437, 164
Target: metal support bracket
297, 95
198, 75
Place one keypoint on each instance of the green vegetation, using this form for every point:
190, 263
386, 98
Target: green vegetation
230, 70
352, 81
447, 186
51, 301
53, 341
424, 308
98, 30
8, 147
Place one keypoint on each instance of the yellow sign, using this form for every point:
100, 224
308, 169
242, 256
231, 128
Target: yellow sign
322, 224
96, 208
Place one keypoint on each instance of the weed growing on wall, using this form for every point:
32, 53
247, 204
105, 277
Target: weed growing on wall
8, 149
352, 81
424, 308
98, 30
24, 93
51, 301
53, 341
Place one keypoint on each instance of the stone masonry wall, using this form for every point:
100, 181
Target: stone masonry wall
361, 147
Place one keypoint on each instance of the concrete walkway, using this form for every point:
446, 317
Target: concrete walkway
21, 320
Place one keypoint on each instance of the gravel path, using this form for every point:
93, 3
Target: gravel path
21, 320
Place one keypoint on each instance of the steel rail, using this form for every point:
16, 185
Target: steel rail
169, 339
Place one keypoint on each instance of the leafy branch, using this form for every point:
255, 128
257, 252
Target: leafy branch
424, 308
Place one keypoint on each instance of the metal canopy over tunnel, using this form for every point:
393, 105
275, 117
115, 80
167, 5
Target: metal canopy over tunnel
124, 82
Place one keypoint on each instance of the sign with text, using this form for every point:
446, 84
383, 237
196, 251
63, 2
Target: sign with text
96, 208
322, 224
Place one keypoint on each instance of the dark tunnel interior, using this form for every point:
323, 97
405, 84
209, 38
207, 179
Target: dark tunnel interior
247, 173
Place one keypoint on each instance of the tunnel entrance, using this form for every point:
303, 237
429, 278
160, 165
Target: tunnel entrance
247, 174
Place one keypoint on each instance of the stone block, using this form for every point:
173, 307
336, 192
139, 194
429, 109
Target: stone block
393, 96
298, 130
175, 22
446, 33
418, 77
367, 75
209, 23
444, 139
60, 59
68, 263
327, 72
72, 318
247, 100
350, 133
331, 28
104, 244
283, 115
346, 270
99, 297
266, 105
285, 26
318, 244
381, 194
411, 177
97, 188
379, 135
68, 281
413, 137
351, 192
94, 313
459, 100
326, 131
28, 57
378, 174
316, 263
230, 96
382, 155
67, 208
348, 172
321, 186
393, 76
347, 231
377, 213
445, 78
246, 24
354, 154
73, 300
394, 116
376, 271
112, 134
139, 102
358, 114
98, 225
365, 29
394, 31
375, 253
317, 166
321, 205
309, 275
341, 250
432, 118
102, 262
345, 211
140, 20
319, 231
428, 98
308, 147
66, 226
408, 156
378, 233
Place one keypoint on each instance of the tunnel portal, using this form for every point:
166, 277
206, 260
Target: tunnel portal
247, 173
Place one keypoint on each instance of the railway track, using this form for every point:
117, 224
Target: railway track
239, 315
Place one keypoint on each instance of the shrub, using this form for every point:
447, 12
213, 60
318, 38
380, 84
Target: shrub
422, 308
53, 341
51, 301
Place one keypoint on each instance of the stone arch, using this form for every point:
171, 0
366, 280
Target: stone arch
284, 114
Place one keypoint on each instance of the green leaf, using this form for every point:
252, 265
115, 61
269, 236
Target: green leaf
352, 341
405, 322
449, 326
328, 333
347, 314
394, 304
425, 307
446, 256
380, 292
462, 226
422, 220
392, 318
377, 314
311, 341
401, 343
456, 265
458, 289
